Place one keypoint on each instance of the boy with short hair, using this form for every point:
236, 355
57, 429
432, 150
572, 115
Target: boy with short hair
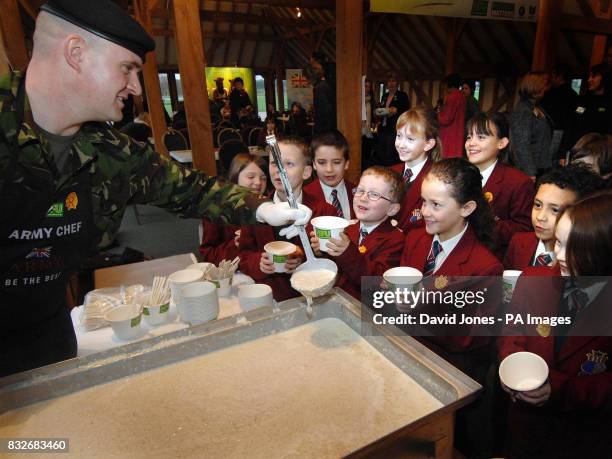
371, 245
330, 152
254, 261
559, 188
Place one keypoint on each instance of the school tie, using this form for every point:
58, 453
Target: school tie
336, 203
362, 235
430, 264
407, 176
543, 259
577, 300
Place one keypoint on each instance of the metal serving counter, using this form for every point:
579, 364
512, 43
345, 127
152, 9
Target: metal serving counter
265, 383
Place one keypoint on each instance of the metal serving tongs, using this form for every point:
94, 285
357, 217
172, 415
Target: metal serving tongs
311, 261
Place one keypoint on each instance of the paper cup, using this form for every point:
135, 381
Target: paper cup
224, 286
125, 321
254, 296
202, 266
510, 277
523, 371
279, 252
154, 314
327, 227
198, 303
181, 278
402, 277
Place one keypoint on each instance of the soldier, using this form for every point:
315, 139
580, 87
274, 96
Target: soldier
66, 176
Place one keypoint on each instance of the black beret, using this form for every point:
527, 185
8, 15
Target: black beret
105, 19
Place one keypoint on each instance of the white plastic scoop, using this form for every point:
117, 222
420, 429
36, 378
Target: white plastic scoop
312, 263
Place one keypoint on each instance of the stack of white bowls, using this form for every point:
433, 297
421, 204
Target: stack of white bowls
198, 302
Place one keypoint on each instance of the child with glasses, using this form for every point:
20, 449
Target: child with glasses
371, 245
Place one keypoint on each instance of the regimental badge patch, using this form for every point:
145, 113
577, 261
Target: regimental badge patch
415, 216
56, 210
72, 201
594, 364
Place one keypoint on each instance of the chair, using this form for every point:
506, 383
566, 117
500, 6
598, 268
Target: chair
174, 140
228, 151
185, 133
253, 136
228, 134
227, 124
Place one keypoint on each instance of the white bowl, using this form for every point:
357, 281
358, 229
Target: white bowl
254, 296
327, 227
198, 303
202, 266
154, 314
180, 278
310, 267
125, 321
523, 371
279, 252
402, 277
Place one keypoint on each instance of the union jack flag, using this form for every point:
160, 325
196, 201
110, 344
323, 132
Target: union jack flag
42, 252
298, 81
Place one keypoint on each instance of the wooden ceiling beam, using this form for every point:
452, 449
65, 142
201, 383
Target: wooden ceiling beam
476, 43
595, 26
516, 37
501, 47
421, 55
304, 4
248, 18
376, 28
579, 55
224, 63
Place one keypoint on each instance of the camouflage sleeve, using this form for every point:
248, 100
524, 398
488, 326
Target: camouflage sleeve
161, 182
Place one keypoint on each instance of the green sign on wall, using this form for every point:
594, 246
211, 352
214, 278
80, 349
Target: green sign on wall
229, 73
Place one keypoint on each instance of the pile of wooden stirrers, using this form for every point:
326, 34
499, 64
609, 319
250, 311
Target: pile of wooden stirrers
226, 269
160, 291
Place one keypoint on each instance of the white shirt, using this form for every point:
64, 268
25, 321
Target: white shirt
540, 249
447, 247
342, 197
416, 170
276, 199
487, 173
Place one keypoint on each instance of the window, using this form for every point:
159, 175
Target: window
165, 92
260, 89
476, 90
576, 85
179, 88
287, 107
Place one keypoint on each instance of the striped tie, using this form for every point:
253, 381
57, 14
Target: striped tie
577, 299
336, 203
543, 259
362, 235
430, 264
407, 176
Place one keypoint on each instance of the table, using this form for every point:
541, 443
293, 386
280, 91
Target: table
182, 156
140, 273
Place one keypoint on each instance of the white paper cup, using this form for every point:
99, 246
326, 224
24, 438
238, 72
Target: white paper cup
279, 252
254, 296
202, 266
154, 314
224, 286
523, 371
198, 303
125, 321
181, 278
327, 227
510, 277
402, 277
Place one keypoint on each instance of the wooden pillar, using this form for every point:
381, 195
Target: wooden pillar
269, 87
280, 76
12, 34
190, 47
173, 91
143, 10
4, 66
349, 36
549, 20
598, 51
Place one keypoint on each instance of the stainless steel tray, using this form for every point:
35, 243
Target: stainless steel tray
437, 377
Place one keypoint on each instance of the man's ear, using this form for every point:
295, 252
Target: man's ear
74, 51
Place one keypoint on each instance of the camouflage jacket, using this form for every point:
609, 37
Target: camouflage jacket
122, 171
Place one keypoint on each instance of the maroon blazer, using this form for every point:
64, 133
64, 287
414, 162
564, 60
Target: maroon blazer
510, 193
253, 238
576, 418
521, 250
409, 217
314, 188
218, 242
469, 258
383, 248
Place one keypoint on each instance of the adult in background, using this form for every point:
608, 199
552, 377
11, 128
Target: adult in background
451, 118
594, 109
367, 137
560, 104
66, 175
393, 103
323, 98
239, 99
471, 104
531, 127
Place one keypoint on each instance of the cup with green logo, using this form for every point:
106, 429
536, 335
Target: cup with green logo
279, 252
154, 314
326, 228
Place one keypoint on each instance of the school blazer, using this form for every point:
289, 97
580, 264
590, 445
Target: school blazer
469, 258
510, 194
409, 217
218, 242
539, 291
314, 188
521, 250
381, 250
253, 238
